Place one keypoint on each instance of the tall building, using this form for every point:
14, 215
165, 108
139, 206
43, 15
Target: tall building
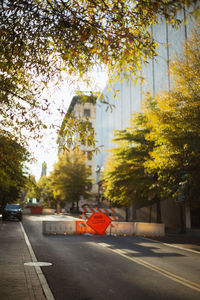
85, 109
156, 78
44, 169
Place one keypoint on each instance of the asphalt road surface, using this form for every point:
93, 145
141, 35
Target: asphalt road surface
117, 268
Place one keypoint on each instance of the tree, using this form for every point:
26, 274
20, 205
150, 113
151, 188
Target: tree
41, 38
126, 180
12, 169
175, 120
31, 189
70, 177
45, 191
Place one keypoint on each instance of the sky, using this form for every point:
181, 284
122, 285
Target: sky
46, 149
60, 98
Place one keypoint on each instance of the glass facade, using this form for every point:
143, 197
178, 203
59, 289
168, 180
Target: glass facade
128, 99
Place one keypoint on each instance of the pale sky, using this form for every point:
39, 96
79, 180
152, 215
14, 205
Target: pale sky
46, 150
59, 98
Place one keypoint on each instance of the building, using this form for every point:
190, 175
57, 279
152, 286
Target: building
83, 107
44, 169
128, 100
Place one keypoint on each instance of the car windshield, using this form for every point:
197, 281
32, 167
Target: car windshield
12, 206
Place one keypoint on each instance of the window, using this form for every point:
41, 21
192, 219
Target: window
86, 112
89, 155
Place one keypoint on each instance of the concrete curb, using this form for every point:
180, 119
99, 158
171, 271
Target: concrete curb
43, 282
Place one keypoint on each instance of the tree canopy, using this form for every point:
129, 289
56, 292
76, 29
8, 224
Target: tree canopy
174, 119
12, 169
45, 191
124, 177
31, 189
70, 177
41, 38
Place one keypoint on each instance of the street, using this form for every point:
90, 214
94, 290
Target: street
104, 267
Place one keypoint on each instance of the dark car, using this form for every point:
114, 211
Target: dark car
12, 211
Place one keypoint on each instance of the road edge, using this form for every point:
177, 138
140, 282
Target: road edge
46, 289
173, 246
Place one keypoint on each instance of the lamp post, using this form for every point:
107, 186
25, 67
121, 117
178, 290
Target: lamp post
97, 171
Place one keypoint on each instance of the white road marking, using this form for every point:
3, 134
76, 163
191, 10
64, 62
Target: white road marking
41, 277
193, 285
173, 246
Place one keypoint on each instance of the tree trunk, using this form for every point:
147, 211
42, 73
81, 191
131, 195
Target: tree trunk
127, 214
58, 206
150, 210
77, 208
133, 212
159, 215
182, 219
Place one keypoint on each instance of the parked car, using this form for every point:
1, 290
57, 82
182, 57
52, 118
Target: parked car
12, 211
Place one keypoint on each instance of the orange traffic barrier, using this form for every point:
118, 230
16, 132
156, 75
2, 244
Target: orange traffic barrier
82, 227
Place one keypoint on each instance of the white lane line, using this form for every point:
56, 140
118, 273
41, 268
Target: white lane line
192, 285
41, 277
173, 246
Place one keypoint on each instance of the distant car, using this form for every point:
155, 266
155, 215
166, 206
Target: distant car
12, 211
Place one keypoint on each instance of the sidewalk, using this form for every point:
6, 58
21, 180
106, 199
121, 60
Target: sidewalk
17, 281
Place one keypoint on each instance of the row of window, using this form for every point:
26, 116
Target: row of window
86, 112
84, 143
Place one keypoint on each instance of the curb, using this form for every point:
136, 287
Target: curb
42, 279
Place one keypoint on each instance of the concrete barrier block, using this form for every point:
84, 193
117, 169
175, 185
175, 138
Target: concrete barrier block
26, 211
121, 228
59, 227
149, 229
48, 211
115, 228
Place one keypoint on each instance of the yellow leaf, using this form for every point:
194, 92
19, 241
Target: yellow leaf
93, 50
106, 42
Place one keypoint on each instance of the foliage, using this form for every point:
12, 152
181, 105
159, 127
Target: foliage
76, 130
175, 122
12, 163
83, 32
31, 189
42, 38
158, 155
20, 67
125, 178
70, 177
45, 190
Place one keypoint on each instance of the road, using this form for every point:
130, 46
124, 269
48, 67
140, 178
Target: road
117, 268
